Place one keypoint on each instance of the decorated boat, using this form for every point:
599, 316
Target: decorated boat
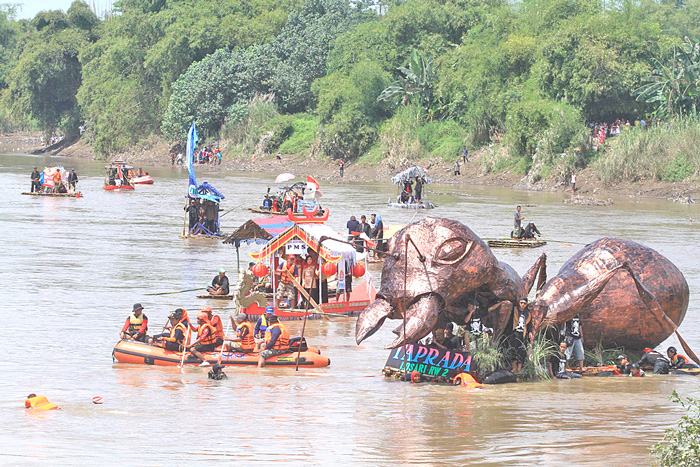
340, 272
117, 176
506, 242
202, 201
140, 353
303, 194
407, 198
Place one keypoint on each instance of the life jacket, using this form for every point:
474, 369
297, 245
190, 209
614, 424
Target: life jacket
289, 266
39, 403
218, 326
56, 177
211, 337
263, 324
135, 323
283, 339
679, 360
466, 380
173, 338
248, 341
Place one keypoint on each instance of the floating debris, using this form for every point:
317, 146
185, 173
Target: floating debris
583, 201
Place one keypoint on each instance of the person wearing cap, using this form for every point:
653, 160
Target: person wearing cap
136, 325
244, 340
174, 339
654, 360
276, 340
677, 360
216, 372
206, 339
636, 371
573, 334
285, 289
623, 365
261, 326
521, 333
72, 179
36, 184
219, 285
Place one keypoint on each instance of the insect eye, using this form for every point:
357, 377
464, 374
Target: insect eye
452, 250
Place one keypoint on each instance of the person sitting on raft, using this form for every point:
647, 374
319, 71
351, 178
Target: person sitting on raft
244, 341
276, 340
677, 360
636, 371
529, 231
261, 326
558, 366
656, 361
174, 339
214, 320
219, 285
206, 339
135, 326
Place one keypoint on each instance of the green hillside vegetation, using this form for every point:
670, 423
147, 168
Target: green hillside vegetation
374, 82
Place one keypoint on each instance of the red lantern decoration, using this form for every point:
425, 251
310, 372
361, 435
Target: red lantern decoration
260, 270
328, 269
358, 270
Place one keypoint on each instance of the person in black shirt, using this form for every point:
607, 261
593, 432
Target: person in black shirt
72, 179
419, 188
378, 231
36, 186
451, 341
219, 285
353, 225
653, 359
557, 365
623, 365
573, 333
521, 334
193, 211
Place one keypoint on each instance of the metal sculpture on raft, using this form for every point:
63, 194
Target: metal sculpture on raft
627, 294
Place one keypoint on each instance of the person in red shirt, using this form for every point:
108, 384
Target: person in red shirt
136, 325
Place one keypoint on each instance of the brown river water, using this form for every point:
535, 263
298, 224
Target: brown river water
71, 270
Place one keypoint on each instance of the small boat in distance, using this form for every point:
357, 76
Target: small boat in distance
144, 180
410, 198
117, 176
514, 242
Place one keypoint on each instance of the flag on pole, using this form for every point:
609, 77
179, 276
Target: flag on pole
192, 140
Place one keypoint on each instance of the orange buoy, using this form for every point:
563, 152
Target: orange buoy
39, 403
466, 380
97, 400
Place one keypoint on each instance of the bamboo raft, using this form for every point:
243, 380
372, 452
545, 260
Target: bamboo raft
514, 242
216, 297
204, 237
55, 195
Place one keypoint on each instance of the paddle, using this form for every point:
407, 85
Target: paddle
223, 344
184, 350
559, 241
177, 291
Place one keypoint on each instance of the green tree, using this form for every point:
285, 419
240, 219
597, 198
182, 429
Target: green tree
681, 445
415, 85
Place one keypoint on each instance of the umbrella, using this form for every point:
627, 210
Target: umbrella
284, 177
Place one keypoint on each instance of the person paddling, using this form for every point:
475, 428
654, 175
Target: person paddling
174, 339
206, 340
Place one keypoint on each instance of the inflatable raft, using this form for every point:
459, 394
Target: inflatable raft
147, 354
144, 180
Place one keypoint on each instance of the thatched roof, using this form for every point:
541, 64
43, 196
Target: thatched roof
250, 232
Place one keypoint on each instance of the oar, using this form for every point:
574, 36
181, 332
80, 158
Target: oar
184, 349
227, 212
177, 291
223, 344
558, 241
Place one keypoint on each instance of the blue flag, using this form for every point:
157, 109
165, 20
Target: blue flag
192, 140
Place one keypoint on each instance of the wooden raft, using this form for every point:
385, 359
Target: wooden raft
55, 195
514, 243
216, 297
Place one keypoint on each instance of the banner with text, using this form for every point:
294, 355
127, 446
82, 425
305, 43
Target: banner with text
428, 360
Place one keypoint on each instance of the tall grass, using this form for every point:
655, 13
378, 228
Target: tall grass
668, 151
488, 354
535, 366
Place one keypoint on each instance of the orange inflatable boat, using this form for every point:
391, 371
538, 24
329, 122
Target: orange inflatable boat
147, 354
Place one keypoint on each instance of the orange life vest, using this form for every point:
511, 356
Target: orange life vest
218, 326
283, 339
288, 266
211, 337
39, 403
172, 337
248, 341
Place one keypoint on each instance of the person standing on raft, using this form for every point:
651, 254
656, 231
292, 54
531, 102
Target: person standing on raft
276, 340
36, 185
136, 325
206, 339
517, 223
219, 285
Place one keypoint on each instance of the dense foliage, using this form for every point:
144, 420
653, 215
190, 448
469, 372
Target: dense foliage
373, 80
681, 445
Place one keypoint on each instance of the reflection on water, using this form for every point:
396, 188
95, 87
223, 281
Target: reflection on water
73, 268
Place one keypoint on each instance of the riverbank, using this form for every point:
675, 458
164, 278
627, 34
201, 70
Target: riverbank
157, 154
